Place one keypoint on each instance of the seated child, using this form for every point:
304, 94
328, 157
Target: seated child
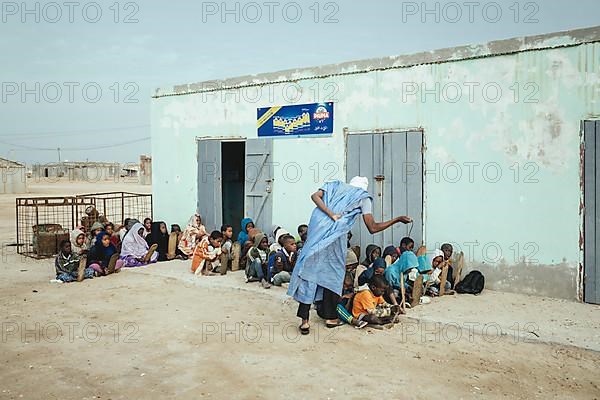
377, 268
347, 297
437, 278
174, 239
135, 251
302, 235
370, 306
97, 227
71, 266
373, 252
226, 250
406, 244
114, 237
257, 262
276, 246
206, 253
147, 227
284, 261
390, 255
160, 237
103, 257
412, 267
448, 250
191, 236
247, 224
78, 245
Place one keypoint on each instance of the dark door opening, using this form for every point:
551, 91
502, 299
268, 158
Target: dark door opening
233, 179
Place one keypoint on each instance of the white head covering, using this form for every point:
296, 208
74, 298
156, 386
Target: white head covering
360, 182
437, 253
133, 243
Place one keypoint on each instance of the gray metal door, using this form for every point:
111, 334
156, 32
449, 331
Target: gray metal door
259, 182
591, 278
393, 162
209, 183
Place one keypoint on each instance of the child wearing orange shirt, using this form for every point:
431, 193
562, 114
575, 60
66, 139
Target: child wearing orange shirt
370, 306
206, 252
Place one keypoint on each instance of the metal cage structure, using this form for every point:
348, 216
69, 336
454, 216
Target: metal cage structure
43, 222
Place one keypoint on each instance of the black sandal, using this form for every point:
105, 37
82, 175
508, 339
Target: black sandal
331, 326
304, 331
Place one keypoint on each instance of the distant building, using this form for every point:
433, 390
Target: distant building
77, 171
13, 177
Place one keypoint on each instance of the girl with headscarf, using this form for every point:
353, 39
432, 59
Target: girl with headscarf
103, 256
320, 269
246, 224
78, 245
160, 237
96, 228
438, 275
193, 233
135, 252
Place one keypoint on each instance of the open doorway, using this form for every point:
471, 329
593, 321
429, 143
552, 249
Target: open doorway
233, 177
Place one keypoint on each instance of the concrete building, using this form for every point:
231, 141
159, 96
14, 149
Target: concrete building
14, 177
486, 147
76, 171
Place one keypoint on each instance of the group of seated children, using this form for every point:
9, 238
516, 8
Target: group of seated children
269, 261
375, 291
102, 250
379, 289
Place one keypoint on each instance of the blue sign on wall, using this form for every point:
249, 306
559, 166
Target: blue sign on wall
296, 120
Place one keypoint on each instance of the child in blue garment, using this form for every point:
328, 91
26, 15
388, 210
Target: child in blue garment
415, 269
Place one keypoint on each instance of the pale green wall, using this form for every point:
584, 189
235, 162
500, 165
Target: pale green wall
545, 133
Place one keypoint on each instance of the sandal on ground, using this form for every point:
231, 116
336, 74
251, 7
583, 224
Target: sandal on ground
361, 325
304, 331
334, 325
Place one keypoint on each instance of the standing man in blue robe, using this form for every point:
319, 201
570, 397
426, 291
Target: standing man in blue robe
319, 272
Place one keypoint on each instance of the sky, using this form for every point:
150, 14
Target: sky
79, 75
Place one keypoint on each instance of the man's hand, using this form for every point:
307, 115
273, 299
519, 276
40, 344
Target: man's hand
335, 217
405, 219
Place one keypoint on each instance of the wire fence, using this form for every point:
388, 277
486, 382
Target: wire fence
43, 222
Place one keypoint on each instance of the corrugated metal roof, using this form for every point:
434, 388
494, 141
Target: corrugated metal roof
4, 163
453, 54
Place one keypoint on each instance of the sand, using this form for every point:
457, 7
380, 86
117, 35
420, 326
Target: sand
158, 332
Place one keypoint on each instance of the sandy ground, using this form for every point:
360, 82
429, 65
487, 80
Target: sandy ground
159, 332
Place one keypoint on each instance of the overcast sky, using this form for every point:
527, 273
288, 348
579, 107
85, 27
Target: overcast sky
58, 57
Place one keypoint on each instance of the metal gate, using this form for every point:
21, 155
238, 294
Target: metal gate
259, 182
209, 183
591, 228
393, 162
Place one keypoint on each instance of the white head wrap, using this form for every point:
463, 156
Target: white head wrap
360, 182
